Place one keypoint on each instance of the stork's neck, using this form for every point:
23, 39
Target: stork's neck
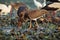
44, 3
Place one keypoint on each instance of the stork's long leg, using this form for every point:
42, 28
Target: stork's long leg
36, 23
30, 26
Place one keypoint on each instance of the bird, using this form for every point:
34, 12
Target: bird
52, 5
25, 15
4, 9
53, 8
19, 14
55, 5
39, 5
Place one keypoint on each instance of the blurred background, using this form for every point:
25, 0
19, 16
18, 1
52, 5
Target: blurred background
30, 3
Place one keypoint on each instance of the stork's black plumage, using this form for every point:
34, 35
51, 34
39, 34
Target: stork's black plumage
50, 8
53, 0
